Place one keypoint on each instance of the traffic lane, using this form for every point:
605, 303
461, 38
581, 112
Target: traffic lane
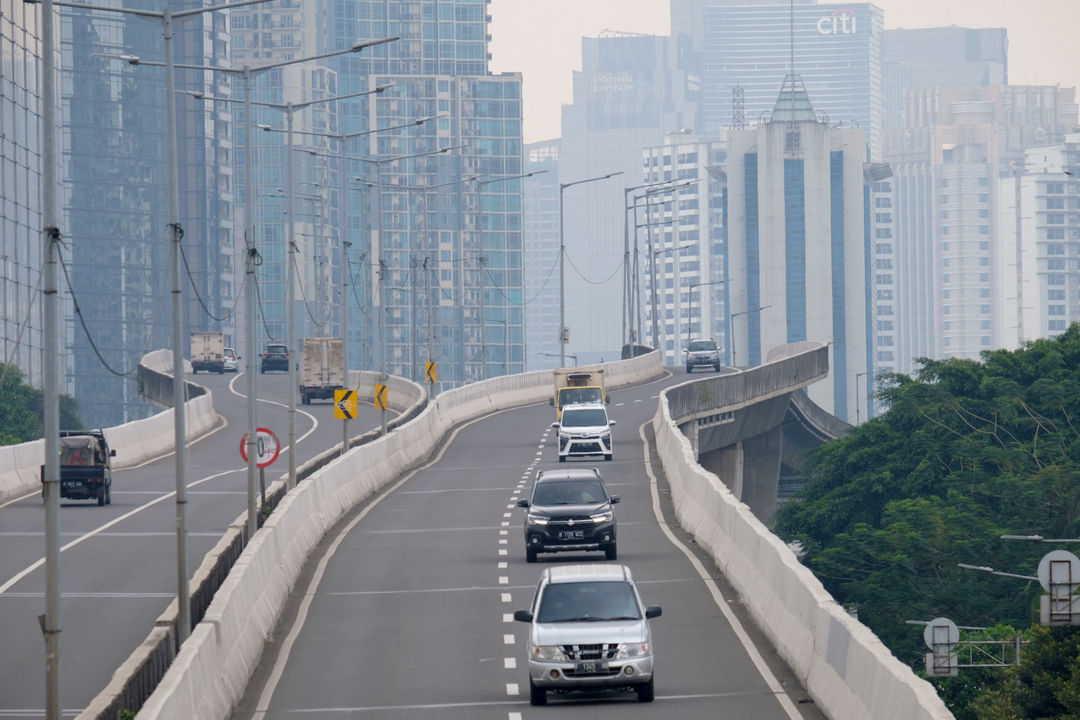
411, 592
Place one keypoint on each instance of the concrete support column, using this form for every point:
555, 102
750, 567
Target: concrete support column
751, 470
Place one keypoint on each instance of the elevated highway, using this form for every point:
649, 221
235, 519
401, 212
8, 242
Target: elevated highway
843, 668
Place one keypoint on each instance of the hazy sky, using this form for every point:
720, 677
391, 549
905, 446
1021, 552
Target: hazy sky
542, 40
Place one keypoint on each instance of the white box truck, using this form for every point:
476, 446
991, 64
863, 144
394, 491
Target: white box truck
322, 368
207, 352
574, 386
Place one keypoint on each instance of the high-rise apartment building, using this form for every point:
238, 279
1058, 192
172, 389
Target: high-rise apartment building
626, 97
116, 202
20, 181
542, 255
746, 48
1038, 255
680, 278
797, 240
957, 150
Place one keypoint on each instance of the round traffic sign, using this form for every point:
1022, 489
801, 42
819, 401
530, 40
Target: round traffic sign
941, 635
267, 447
1061, 569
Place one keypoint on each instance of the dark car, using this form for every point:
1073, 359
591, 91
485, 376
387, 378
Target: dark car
276, 357
85, 466
569, 511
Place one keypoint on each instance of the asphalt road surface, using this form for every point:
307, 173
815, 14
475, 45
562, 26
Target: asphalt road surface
118, 565
405, 609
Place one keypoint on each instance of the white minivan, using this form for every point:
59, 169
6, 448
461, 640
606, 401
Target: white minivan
584, 430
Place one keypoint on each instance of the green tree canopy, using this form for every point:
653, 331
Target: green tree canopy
22, 409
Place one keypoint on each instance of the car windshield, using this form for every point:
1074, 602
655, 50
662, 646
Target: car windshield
584, 417
580, 395
588, 602
275, 349
570, 492
230, 353
702, 346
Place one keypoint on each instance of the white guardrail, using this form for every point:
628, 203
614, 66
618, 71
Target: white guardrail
846, 669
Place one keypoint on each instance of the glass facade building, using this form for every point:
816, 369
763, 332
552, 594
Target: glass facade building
750, 45
116, 199
20, 180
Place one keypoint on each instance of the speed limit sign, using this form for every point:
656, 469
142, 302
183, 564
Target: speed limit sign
267, 447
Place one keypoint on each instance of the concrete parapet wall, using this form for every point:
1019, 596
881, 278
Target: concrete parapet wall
213, 667
843, 665
135, 442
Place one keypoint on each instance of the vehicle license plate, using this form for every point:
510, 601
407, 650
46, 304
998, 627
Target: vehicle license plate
571, 534
589, 668
70, 483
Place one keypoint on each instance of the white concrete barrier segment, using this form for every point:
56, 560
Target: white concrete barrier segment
845, 668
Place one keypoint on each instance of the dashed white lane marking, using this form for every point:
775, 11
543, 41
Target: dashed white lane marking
508, 639
502, 541
504, 524
514, 716
510, 663
504, 551
508, 617
506, 515
502, 566
511, 506
511, 688
505, 597
503, 532
504, 579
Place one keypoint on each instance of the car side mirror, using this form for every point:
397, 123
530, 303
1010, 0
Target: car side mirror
523, 503
554, 424
650, 612
611, 422
614, 499
551, 402
112, 452
526, 616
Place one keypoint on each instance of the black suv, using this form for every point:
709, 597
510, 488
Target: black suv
276, 357
569, 510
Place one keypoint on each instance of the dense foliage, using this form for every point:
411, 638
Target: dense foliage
22, 409
967, 451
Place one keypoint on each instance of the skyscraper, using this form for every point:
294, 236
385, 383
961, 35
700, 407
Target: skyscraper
798, 243
751, 45
116, 200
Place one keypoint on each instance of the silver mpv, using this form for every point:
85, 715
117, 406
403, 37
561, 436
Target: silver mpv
588, 630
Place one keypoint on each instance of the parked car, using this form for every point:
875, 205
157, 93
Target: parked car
276, 357
568, 511
702, 353
588, 630
232, 360
584, 430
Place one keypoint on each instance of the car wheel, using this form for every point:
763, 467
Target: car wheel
194, 371
562, 458
108, 494
689, 368
262, 370
530, 555
716, 367
101, 496
538, 695
611, 552
607, 457
645, 692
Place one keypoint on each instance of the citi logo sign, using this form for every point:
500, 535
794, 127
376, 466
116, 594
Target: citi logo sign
838, 22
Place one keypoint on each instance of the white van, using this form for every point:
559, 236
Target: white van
584, 430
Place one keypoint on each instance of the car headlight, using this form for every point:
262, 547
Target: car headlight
538, 519
549, 653
602, 517
632, 650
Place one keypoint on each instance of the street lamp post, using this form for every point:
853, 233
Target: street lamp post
731, 328
250, 252
857, 376
690, 305
562, 261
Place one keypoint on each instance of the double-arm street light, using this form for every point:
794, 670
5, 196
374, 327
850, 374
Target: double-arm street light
731, 328
51, 625
563, 339
250, 252
858, 375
